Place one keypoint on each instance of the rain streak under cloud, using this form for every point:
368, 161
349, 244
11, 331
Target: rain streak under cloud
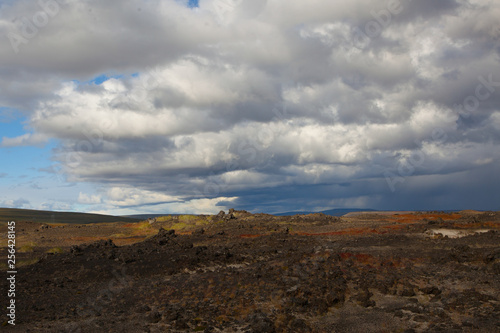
177, 106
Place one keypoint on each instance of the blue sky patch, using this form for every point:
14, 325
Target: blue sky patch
103, 78
193, 3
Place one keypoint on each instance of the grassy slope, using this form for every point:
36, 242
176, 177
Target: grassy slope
10, 214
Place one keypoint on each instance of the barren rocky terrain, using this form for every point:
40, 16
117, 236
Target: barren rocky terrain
242, 272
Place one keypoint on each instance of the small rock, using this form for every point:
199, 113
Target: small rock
260, 323
154, 317
143, 308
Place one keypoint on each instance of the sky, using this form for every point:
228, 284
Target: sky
175, 106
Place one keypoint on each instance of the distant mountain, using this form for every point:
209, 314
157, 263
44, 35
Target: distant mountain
332, 212
43, 216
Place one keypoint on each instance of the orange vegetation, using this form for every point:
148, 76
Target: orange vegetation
349, 231
249, 236
394, 227
117, 240
362, 257
413, 218
88, 238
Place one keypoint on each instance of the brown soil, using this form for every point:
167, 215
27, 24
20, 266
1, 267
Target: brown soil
242, 272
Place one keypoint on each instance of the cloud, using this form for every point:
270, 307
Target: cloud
55, 206
27, 139
120, 196
37, 186
18, 203
270, 103
89, 199
196, 206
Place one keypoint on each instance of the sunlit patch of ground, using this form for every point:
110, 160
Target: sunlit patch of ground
453, 233
416, 217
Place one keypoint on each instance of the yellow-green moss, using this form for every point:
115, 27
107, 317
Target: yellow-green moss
26, 262
164, 218
55, 250
143, 225
26, 248
118, 235
179, 226
187, 218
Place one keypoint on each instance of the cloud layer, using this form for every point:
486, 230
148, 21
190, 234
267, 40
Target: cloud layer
266, 105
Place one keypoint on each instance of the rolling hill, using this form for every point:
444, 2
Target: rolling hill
12, 214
